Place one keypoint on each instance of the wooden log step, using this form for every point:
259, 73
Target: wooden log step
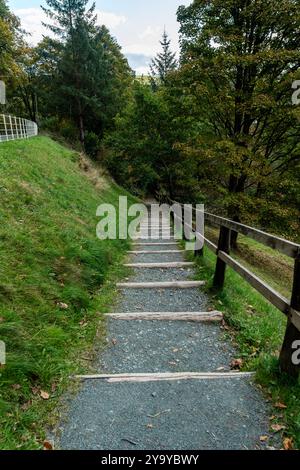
151, 252
156, 244
176, 264
161, 285
160, 237
204, 317
165, 376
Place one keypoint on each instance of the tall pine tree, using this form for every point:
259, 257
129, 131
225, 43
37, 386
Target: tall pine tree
164, 63
74, 23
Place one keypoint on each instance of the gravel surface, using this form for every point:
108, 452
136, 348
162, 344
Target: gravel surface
157, 258
191, 414
153, 275
164, 346
159, 247
223, 414
163, 300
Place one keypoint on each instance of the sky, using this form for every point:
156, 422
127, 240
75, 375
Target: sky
136, 24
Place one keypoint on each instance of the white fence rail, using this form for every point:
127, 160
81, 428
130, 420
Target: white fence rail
12, 128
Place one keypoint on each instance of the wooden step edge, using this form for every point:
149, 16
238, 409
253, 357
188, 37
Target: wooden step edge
155, 252
156, 244
175, 264
198, 317
161, 285
165, 376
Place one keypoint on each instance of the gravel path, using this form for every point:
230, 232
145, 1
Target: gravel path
192, 414
163, 347
153, 275
225, 414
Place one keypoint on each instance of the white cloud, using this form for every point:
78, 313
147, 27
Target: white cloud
32, 19
111, 20
151, 32
141, 48
142, 71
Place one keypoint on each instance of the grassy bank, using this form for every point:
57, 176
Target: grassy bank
55, 279
257, 330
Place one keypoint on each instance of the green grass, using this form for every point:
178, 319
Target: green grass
257, 330
49, 255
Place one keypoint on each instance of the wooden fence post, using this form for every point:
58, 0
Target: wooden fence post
223, 245
292, 333
199, 252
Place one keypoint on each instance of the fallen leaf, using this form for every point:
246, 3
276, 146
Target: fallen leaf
236, 363
263, 438
44, 395
26, 405
288, 443
62, 305
35, 390
48, 445
16, 386
281, 406
277, 427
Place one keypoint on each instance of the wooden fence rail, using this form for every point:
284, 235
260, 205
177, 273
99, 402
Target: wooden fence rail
291, 308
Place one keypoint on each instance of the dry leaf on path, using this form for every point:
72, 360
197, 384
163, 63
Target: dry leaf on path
48, 445
236, 363
288, 443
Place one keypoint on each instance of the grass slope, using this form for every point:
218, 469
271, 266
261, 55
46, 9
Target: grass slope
49, 257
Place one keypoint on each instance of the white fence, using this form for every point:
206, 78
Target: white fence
12, 128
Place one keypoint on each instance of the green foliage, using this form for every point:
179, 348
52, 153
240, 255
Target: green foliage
92, 144
164, 63
139, 145
239, 60
49, 256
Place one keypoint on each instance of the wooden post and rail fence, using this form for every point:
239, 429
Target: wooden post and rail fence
289, 307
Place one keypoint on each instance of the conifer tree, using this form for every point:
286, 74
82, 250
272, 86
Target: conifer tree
75, 23
164, 63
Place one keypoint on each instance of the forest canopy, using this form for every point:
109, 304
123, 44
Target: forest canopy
216, 125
